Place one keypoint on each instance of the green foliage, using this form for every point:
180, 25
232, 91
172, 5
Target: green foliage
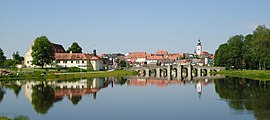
42, 51
21, 118
2, 93
2, 57
17, 58
249, 52
121, 63
75, 69
235, 44
261, 46
42, 98
221, 55
245, 94
15, 118
75, 48
251, 74
10, 63
75, 99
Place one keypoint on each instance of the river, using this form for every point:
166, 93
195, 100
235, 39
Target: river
133, 98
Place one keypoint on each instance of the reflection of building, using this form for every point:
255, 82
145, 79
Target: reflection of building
67, 88
199, 88
156, 82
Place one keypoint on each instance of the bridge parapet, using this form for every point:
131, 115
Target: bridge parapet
177, 71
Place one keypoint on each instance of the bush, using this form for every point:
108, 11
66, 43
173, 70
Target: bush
75, 69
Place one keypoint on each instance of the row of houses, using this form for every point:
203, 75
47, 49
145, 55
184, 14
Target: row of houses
109, 61
63, 59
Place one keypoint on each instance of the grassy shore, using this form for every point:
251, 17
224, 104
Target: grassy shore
251, 74
39, 75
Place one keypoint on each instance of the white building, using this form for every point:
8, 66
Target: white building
28, 57
80, 60
199, 47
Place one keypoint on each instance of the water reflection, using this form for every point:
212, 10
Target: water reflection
244, 94
42, 94
240, 94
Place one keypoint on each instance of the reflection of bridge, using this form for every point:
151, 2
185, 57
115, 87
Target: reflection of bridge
180, 72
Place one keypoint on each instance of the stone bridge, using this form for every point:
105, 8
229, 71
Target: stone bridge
180, 72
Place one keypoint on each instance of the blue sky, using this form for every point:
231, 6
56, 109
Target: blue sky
113, 26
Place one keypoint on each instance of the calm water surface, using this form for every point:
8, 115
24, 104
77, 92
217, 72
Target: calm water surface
136, 99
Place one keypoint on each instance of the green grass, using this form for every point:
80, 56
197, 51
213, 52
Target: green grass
41, 75
251, 74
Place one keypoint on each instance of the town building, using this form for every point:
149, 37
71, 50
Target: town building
28, 57
80, 60
63, 59
199, 47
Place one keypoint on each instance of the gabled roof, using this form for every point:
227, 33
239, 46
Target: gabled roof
75, 56
58, 48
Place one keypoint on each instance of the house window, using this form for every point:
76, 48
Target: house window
27, 62
58, 61
71, 61
65, 61
77, 61
82, 61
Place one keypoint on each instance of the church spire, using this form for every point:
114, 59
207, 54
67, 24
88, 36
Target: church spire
199, 42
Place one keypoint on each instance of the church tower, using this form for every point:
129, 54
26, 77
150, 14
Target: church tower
199, 47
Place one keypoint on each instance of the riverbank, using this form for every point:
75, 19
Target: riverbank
250, 74
37, 75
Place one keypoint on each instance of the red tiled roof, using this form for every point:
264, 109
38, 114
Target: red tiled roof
204, 53
154, 57
162, 52
75, 56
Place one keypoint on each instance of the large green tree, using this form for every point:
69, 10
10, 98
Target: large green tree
235, 44
249, 52
261, 46
42, 51
221, 55
75, 48
248, 62
2, 57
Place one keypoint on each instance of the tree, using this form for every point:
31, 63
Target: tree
235, 44
261, 46
221, 55
17, 58
42, 51
2, 57
248, 63
75, 48
9, 63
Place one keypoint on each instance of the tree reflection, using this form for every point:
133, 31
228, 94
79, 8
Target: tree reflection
244, 94
122, 80
16, 88
42, 98
75, 99
2, 93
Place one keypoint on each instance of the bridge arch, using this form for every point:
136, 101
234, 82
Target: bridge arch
164, 72
194, 72
174, 72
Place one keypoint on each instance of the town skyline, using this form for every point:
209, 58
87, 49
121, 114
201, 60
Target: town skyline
128, 26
